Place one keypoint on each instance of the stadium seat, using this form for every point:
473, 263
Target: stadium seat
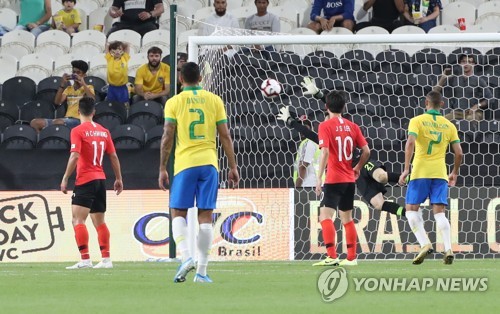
129, 36
243, 12
374, 49
18, 90
484, 27
62, 64
9, 114
53, 43
18, 43
183, 24
19, 137
288, 17
100, 16
98, 84
136, 61
320, 63
153, 137
89, 43
36, 109
243, 136
8, 18
128, 136
486, 7
98, 66
88, 5
110, 114
393, 61
36, 66
356, 60
8, 64
54, 137
408, 48
183, 37
429, 61
47, 88
201, 14
159, 38
84, 16
458, 9
146, 114
272, 138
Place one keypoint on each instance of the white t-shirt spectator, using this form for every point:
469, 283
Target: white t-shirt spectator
208, 26
267, 23
308, 153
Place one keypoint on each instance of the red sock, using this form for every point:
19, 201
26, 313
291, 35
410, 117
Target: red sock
328, 230
351, 237
82, 240
103, 237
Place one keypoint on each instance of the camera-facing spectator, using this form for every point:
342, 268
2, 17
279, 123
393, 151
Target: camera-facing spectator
152, 80
335, 13
386, 14
68, 19
422, 13
34, 16
140, 16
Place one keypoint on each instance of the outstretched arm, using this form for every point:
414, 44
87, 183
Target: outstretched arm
285, 116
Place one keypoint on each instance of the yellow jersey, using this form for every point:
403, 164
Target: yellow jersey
117, 69
196, 112
70, 18
150, 82
434, 133
73, 99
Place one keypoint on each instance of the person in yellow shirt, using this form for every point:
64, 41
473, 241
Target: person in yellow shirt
117, 56
68, 19
152, 80
194, 117
429, 136
72, 89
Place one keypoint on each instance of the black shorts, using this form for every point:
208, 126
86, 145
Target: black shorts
91, 195
339, 196
367, 186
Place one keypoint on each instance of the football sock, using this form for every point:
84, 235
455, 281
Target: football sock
328, 230
394, 208
443, 226
103, 238
393, 177
351, 236
205, 238
82, 240
179, 230
417, 226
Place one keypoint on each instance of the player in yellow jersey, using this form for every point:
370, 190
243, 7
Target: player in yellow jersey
429, 135
194, 117
117, 56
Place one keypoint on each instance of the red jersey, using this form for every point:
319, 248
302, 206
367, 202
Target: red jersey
90, 140
340, 136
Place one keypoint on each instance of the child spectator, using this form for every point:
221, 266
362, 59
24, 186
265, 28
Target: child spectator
68, 19
117, 55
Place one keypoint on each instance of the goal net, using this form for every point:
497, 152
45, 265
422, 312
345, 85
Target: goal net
386, 78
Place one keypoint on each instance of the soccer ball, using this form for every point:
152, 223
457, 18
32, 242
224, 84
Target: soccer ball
270, 88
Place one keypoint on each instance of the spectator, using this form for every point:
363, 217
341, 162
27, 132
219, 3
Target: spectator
219, 19
72, 89
152, 80
336, 13
470, 93
306, 161
263, 21
140, 16
386, 14
34, 16
68, 19
422, 13
181, 59
117, 56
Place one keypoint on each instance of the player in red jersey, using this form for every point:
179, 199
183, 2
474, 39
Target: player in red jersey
89, 142
338, 138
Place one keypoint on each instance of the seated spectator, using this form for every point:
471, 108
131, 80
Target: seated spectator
181, 59
263, 21
422, 13
34, 16
117, 57
152, 80
336, 13
386, 14
68, 19
219, 19
140, 16
72, 89
471, 94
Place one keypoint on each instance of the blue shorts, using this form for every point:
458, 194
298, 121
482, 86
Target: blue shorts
435, 189
118, 93
197, 182
68, 121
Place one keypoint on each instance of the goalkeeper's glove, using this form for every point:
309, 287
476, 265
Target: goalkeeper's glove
311, 88
284, 115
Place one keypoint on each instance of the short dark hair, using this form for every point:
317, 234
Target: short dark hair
80, 65
86, 106
74, 1
434, 98
155, 50
335, 101
115, 45
182, 55
462, 56
190, 72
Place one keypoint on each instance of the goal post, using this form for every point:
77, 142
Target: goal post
386, 78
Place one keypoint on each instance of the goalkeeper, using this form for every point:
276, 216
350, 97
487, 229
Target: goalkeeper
373, 176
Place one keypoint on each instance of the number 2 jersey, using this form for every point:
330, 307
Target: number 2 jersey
434, 133
196, 112
91, 140
340, 136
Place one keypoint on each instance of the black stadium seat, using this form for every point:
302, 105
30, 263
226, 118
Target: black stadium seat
54, 137
9, 114
19, 137
153, 137
128, 136
146, 114
19, 90
36, 109
110, 114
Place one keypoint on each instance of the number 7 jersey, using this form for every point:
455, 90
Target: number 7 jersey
196, 112
433, 134
340, 136
91, 140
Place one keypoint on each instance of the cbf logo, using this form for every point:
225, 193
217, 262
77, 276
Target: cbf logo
333, 284
27, 225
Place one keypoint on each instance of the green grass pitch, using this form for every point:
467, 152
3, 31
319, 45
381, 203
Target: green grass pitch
244, 287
